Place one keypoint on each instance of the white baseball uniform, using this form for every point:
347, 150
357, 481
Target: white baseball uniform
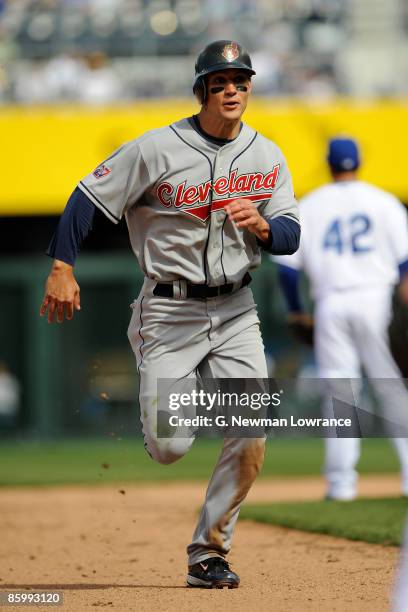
172, 185
400, 595
354, 236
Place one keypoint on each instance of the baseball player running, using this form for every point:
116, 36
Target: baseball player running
201, 197
354, 249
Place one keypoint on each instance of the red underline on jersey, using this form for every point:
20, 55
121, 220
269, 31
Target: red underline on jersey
203, 212
217, 204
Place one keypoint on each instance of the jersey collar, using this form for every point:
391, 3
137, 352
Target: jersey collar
186, 129
195, 122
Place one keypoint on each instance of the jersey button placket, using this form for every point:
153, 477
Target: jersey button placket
216, 222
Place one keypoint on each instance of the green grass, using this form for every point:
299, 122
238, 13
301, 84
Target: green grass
30, 463
378, 521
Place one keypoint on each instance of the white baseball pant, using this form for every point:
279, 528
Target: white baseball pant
217, 338
351, 333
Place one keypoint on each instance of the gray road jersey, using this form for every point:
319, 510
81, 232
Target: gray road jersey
172, 185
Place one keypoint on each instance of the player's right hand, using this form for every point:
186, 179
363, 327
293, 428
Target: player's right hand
61, 293
300, 317
301, 325
403, 290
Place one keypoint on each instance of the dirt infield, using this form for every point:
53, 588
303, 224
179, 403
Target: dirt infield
124, 549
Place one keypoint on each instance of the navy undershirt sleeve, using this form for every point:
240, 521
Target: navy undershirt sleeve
403, 269
73, 227
284, 236
289, 281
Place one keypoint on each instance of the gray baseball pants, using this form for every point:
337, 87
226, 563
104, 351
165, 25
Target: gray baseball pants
217, 338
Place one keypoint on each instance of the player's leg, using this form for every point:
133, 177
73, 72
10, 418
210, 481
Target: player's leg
237, 352
169, 339
341, 458
400, 597
371, 335
237, 468
338, 363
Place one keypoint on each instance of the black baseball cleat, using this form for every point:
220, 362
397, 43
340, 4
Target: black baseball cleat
212, 573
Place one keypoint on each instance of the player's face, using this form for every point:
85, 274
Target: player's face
228, 93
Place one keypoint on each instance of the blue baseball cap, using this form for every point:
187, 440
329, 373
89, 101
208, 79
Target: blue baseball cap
343, 154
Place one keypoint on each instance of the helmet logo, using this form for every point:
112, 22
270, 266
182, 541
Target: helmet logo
230, 52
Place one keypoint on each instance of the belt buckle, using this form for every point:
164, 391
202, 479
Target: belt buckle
226, 289
212, 292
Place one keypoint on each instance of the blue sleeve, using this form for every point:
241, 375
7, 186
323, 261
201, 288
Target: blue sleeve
284, 237
289, 281
73, 227
403, 269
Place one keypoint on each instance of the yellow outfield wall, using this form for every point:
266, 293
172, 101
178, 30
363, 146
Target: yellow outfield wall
46, 150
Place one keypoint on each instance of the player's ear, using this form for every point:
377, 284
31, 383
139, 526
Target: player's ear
199, 96
200, 90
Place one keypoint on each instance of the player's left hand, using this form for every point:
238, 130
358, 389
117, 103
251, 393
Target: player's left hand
244, 214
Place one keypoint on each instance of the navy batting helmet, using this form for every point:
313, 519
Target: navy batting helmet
220, 55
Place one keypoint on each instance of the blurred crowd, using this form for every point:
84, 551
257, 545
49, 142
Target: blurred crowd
102, 51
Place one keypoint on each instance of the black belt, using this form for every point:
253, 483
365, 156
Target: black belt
201, 291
